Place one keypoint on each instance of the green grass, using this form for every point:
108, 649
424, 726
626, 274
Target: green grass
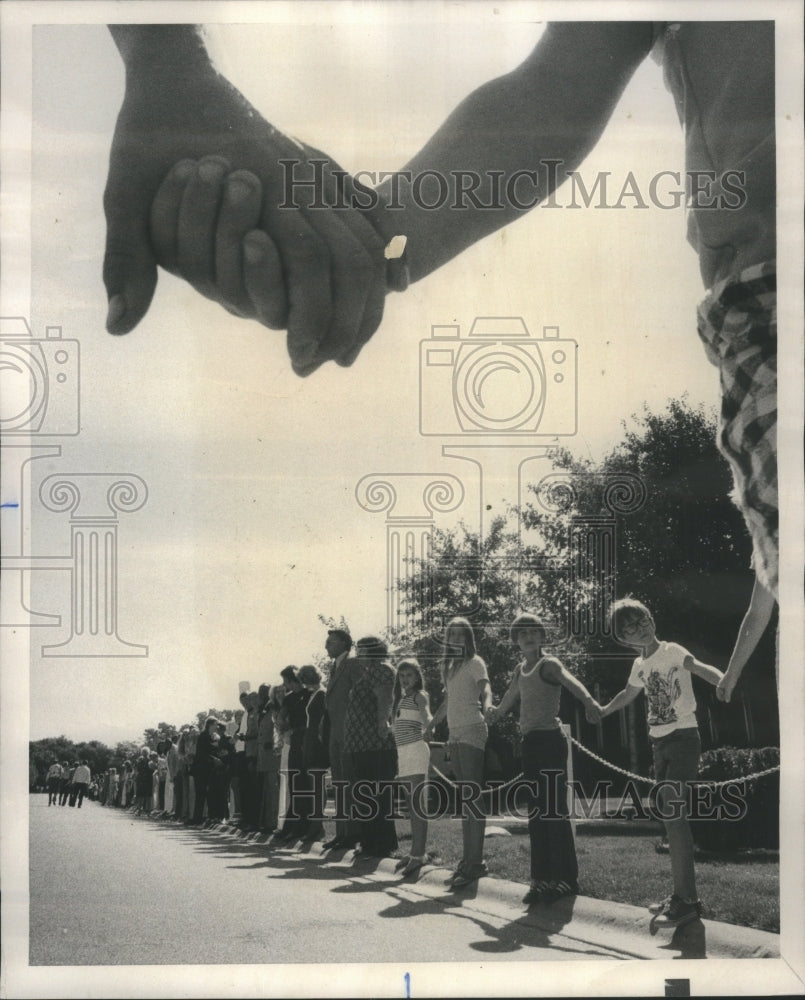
619, 862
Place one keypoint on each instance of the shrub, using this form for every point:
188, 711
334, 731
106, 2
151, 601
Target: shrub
760, 825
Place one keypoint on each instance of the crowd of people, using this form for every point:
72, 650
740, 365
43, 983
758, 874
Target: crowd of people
371, 725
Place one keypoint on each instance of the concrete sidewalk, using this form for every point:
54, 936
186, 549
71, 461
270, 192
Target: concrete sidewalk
616, 927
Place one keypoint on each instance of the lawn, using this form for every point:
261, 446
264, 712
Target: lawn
619, 861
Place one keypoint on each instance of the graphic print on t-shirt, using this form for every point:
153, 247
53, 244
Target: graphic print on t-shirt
663, 691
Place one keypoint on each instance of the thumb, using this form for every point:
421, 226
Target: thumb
129, 272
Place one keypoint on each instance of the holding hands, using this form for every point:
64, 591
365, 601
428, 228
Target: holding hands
593, 711
196, 184
726, 685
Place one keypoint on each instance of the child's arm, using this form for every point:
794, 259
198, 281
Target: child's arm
621, 700
422, 703
485, 694
507, 702
438, 715
555, 673
707, 673
553, 107
752, 628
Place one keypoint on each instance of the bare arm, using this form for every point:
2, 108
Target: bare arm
421, 701
553, 107
753, 626
621, 700
509, 699
707, 673
485, 694
438, 716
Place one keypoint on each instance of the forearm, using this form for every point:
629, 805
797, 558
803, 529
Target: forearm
752, 628
704, 670
621, 700
508, 701
160, 47
439, 714
576, 688
551, 108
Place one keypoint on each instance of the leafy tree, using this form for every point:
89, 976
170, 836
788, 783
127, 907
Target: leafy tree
43, 753
682, 548
52, 749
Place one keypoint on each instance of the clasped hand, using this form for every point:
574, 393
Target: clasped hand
196, 185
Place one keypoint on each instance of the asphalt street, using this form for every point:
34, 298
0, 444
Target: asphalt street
107, 888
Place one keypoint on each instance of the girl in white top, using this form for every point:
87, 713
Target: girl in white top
411, 716
466, 700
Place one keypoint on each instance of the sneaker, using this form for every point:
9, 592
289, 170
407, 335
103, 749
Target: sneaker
678, 912
470, 874
558, 890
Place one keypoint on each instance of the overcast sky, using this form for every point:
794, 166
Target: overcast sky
251, 527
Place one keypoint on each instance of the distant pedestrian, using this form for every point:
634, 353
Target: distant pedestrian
81, 780
54, 782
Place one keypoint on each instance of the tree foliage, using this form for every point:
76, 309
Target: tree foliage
681, 546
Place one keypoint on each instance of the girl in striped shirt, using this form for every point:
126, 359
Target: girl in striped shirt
411, 715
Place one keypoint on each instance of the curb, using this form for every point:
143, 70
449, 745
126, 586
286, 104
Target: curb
616, 928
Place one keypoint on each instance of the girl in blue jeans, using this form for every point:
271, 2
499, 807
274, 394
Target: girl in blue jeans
467, 696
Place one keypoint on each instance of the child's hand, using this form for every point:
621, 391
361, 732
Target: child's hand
727, 684
593, 711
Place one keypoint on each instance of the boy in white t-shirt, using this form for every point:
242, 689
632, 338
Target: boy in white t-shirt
663, 670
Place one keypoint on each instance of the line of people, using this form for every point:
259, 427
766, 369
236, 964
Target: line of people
372, 724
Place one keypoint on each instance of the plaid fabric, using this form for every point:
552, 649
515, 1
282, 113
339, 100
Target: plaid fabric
738, 325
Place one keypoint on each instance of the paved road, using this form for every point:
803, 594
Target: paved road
110, 889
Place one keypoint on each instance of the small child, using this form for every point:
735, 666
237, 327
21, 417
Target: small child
663, 670
537, 683
411, 715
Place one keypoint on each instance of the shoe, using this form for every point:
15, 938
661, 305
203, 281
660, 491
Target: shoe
457, 873
470, 874
402, 863
534, 893
328, 845
662, 905
313, 835
412, 867
558, 890
678, 912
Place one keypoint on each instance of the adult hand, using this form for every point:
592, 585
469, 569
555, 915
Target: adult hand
726, 686
181, 131
491, 715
